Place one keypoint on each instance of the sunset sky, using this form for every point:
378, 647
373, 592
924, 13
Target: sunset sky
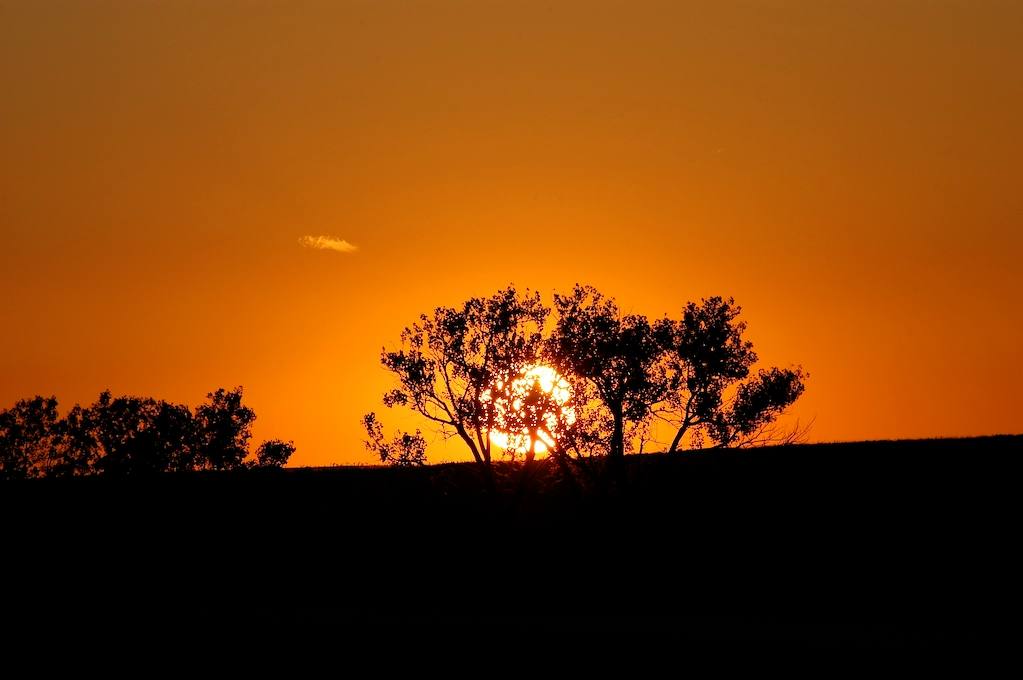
849, 171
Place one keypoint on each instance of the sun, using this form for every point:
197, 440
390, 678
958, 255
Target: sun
531, 411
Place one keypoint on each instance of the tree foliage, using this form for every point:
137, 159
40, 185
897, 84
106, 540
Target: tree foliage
134, 435
274, 453
705, 359
757, 403
616, 354
131, 436
30, 434
448, 360
403, 449
223, 428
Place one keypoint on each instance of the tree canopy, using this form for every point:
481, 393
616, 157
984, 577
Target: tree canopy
705, 356
131, 436
617, 354
448, 360
472, 371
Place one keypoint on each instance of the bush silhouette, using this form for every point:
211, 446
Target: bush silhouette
274, 453
404, 449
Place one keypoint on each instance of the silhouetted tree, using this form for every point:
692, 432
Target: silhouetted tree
274, 453
704, 356
130, 436
403, 449
80, 449
448, 360
223, 428
616, 354
756, 405
134, 435
30, 434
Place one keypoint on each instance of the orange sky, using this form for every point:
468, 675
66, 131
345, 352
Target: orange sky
848, 171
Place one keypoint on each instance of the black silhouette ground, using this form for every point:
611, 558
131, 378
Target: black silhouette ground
868, 543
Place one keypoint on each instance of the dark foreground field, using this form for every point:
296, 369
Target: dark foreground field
873, 543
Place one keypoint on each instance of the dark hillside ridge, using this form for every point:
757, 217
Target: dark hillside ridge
887, 542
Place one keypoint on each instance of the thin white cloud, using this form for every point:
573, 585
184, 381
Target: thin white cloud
327, 243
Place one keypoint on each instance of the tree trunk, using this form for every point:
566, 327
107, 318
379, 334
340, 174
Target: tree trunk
470, 443
618, 435
678, 438
482, 459
616, 457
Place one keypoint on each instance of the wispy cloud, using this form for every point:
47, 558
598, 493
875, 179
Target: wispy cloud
327, 243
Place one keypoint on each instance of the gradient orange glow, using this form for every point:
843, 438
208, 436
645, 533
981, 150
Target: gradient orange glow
848, 171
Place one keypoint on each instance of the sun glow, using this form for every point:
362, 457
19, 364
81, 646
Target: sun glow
531, 411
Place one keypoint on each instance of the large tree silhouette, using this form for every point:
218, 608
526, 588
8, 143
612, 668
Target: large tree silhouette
616, 354
448, 360
223, 430
704, 356
132, 436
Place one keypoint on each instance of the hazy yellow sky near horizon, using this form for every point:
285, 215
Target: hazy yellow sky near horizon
848, 171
